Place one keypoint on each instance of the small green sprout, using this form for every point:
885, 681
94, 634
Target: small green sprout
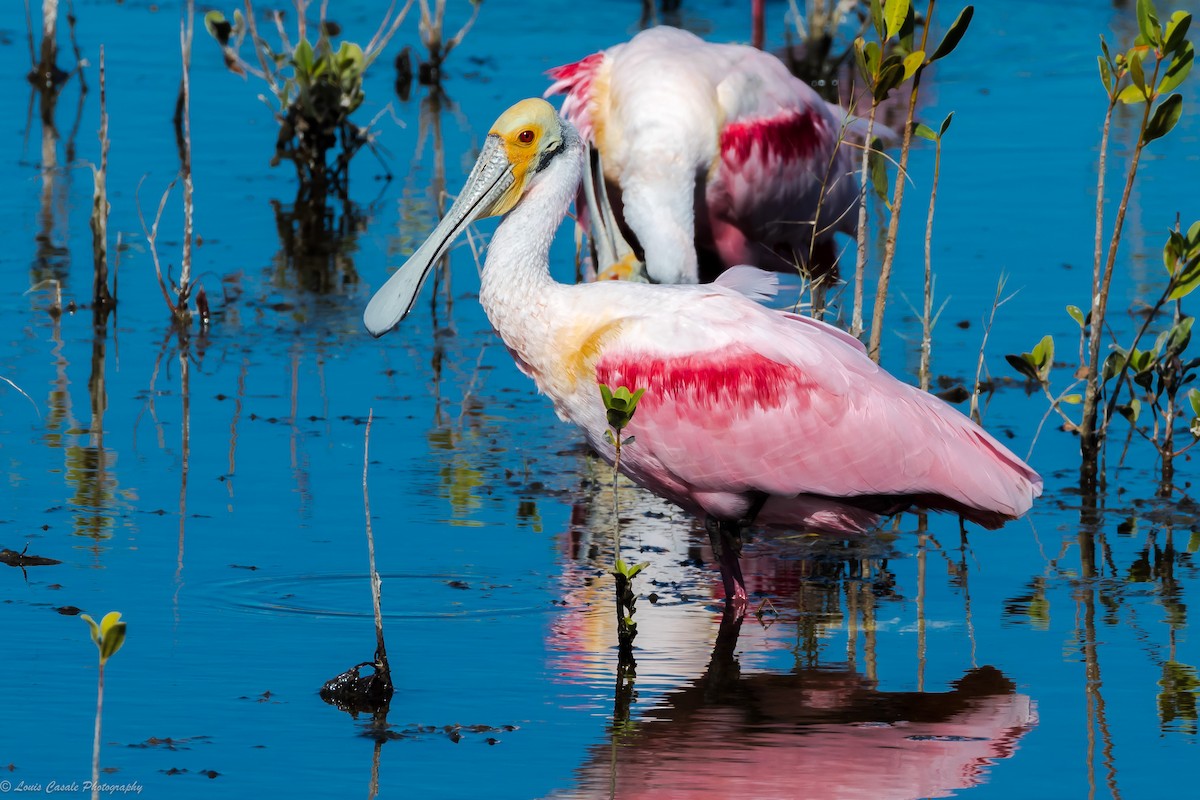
109, 635
620, 405
1035, 365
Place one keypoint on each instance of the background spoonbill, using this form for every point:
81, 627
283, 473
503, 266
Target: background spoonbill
749, 414
710, 155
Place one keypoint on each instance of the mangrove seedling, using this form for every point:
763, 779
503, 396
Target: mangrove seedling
894, 22
1145, 74
1130, 378
317, 87
109, 635
619, 406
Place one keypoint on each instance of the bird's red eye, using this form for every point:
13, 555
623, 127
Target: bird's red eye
525, 136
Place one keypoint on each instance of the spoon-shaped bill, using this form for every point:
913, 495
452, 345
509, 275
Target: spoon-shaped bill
490, 178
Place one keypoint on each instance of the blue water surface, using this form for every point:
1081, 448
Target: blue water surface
210, 487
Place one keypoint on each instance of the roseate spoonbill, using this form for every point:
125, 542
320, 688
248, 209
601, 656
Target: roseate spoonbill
749, 414
711, 155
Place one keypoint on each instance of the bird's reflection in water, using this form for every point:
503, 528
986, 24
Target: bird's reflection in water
823, 732
712, 719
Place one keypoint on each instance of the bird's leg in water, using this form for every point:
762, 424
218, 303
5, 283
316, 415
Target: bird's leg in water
726, 539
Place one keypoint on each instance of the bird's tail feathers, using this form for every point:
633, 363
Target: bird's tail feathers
757, 284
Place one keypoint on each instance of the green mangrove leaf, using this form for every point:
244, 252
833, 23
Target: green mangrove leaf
302, 59
1076, 314
1137, 72
907, 29
109, 635
1164, 118
1141, 361
894, 12
1148, 26
877, 166
1043, 356
1176, 31
1187, 279
890, 76
1132, 94
1161, 340
1178, 69
1131, 411
218, 27
1114, 363
924, 131
112, 641
1178, 337
877, 18
350, 59
1106, 76
1023, 365
945, 124
955, 33
95, 629
874, 55
860, 58
1173, 251
913, 62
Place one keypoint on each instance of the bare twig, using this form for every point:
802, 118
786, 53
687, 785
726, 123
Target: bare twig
385, 33
152, 235
987, 329
101, 298
24, 394
381, 660
927, 321
260, 48
860, 261
29, 29
457, 38
185, 150
889, 247
1055, 405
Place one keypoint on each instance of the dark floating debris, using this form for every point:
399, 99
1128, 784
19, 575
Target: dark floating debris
958, 394
22, 559
355, 693
208, 773
168, 743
